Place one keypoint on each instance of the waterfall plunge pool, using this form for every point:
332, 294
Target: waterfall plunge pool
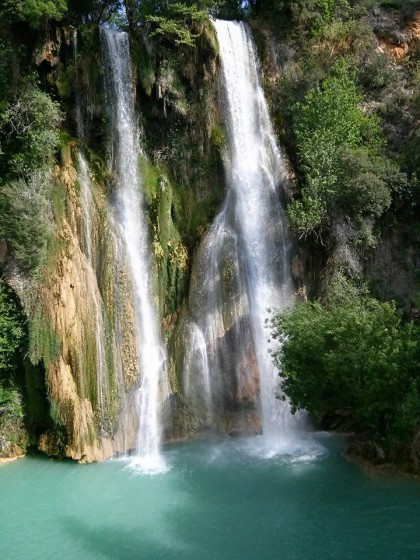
219, 500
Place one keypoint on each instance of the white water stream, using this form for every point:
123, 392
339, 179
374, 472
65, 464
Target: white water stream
133, 228
254, 171
102, 377
88, 210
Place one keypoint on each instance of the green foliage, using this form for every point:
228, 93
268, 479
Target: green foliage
44, 344
12, 343
339, 148
366, 183
34, 12
11, 402
308, 17
12, 332
29, 124
177, 22
63, 82
12, 430
25, 218
217, 138
6, 72
145, 69
312, 16
170, 253
352, 362
28, 131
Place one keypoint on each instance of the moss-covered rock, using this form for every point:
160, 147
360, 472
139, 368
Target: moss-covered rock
13, 435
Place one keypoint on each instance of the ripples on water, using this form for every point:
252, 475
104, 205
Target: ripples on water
150, 465
289, 449
238, 499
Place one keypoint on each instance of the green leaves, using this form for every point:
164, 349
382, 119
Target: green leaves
11, 328
339, 149
10, 403
12, 428
29, 135
177, 23
354, 356
34, 12
29, 130
26, 218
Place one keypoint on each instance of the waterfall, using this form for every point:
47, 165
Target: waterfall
79, 116
88, 211
133, 228
196, 366
102, 377
254, 171
243, 264
86, 203
217, 300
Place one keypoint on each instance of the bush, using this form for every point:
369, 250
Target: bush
26, 218
345, 175
354, 360
177, 23
28, 131
29, 135
12, 331
33, 12
329, 120
12, 429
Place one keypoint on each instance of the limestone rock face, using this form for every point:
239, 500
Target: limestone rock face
48, 52
69, 301
70, 308
9, 450
366, 450
396, 39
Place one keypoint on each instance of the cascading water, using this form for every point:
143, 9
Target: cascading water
217, 299
196, 366
134, 233
246, 248
79, 116
255, 169
102, 378
88, 210
86, 204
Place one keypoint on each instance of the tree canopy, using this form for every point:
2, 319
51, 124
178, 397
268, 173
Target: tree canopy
353, 363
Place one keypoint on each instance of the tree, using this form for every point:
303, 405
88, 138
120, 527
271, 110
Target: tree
11, 328
29, 125
29, 138
177, 23
95, 11
33, 12
339, 148
353, 359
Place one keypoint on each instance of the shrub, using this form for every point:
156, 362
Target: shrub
12, 430
177, 23
352, 359
340, 152
12, 331
26, 218
28, 131
34, 12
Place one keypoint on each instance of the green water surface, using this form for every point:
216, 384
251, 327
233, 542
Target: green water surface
219, 500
